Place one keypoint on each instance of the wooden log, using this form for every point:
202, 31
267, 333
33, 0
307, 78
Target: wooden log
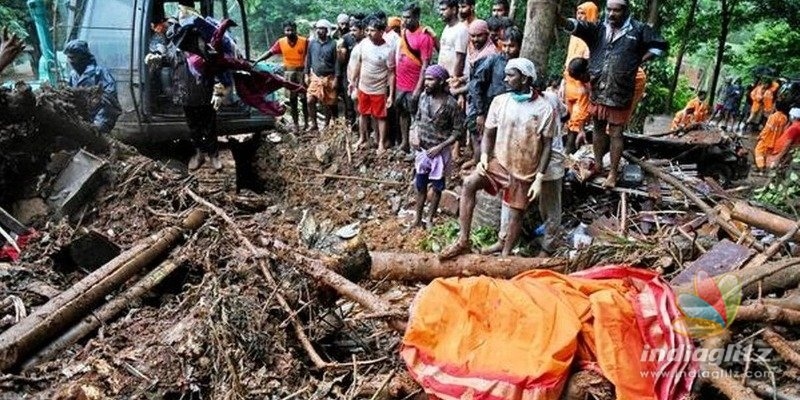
773, 249
103, 314
714, 375
422, 267
18, 342
758, 312
762, 219
712, 214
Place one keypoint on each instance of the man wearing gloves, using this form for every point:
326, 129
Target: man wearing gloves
515, 153
86, 73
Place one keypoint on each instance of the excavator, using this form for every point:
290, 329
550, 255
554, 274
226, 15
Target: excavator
118, 33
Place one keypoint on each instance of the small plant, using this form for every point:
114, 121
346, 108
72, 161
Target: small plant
442, 235
783, 190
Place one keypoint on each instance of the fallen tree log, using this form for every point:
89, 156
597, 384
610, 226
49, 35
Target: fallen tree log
19, 341
767, 314
773, 249
710, 212
762, 219
424, 267
102, 314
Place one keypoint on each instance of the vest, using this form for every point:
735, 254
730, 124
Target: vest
294, 57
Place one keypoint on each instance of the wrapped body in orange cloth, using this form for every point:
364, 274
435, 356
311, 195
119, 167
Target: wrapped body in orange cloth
485, 338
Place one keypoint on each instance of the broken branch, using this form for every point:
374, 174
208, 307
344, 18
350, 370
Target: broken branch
781, 345
712, 214
714, 375
768, 314
258, 255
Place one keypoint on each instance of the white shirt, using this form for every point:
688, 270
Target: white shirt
376, 62
455, 39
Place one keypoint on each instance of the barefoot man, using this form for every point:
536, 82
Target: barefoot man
515, 152
618, 46
435, 129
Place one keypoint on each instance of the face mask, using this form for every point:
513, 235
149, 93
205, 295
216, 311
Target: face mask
521, 97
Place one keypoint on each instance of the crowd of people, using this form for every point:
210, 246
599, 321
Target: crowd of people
460, 94
465, 93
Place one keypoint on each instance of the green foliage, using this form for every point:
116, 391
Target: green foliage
783, 190
14, 15
442, 235
772, 43
659, 73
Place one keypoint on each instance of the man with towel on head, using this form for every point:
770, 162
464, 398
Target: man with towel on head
515, 154
618, 46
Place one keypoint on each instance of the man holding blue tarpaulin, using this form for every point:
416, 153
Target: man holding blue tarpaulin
86, 73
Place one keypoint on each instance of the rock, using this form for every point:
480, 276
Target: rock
322, 152
29, 210
449, 202
308, 228
396, 202
361, 195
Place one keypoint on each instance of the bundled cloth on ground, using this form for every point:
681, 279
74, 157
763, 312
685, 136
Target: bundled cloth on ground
486, 338
219, 59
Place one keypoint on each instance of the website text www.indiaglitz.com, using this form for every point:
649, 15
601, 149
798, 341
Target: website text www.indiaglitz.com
712, 374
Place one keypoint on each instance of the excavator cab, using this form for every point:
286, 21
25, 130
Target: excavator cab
119, 33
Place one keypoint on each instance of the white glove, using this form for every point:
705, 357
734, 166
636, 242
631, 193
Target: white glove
217, 101
536, 187
483, 164
152, 59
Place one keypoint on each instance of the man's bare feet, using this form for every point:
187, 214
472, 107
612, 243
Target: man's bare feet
360, 144
381, 151
496, 247
611, 181
454, 250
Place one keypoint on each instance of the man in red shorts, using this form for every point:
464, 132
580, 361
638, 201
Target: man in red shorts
374, 78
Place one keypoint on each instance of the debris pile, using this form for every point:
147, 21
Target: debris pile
295, 271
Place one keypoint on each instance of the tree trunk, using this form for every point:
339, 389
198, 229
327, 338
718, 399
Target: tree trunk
727, 10
540, 32
512, 9
652, 13
687, 29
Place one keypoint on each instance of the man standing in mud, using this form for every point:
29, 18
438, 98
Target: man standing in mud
86, 73
617, 46
515, 153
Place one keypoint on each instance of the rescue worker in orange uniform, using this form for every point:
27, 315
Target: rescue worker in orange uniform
701, 109
684, 119
576, 93
757, 109
768, 138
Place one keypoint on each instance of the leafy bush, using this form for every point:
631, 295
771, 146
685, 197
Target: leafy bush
783, 189
444, 234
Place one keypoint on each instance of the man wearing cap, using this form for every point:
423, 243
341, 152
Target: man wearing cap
320, 71
618, 46
86, 73
414, 53
515, 154
293, 48
342, 26
374, 77
436, 128
788, 140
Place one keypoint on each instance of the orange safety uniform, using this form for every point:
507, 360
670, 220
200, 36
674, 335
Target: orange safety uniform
768, 138
638, 91
576, 93
682, 119
294, 57
701, 110
769, 98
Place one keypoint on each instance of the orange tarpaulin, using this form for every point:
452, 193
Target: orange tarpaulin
485, 338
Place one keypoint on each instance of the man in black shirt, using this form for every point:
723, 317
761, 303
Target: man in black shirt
320, 73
